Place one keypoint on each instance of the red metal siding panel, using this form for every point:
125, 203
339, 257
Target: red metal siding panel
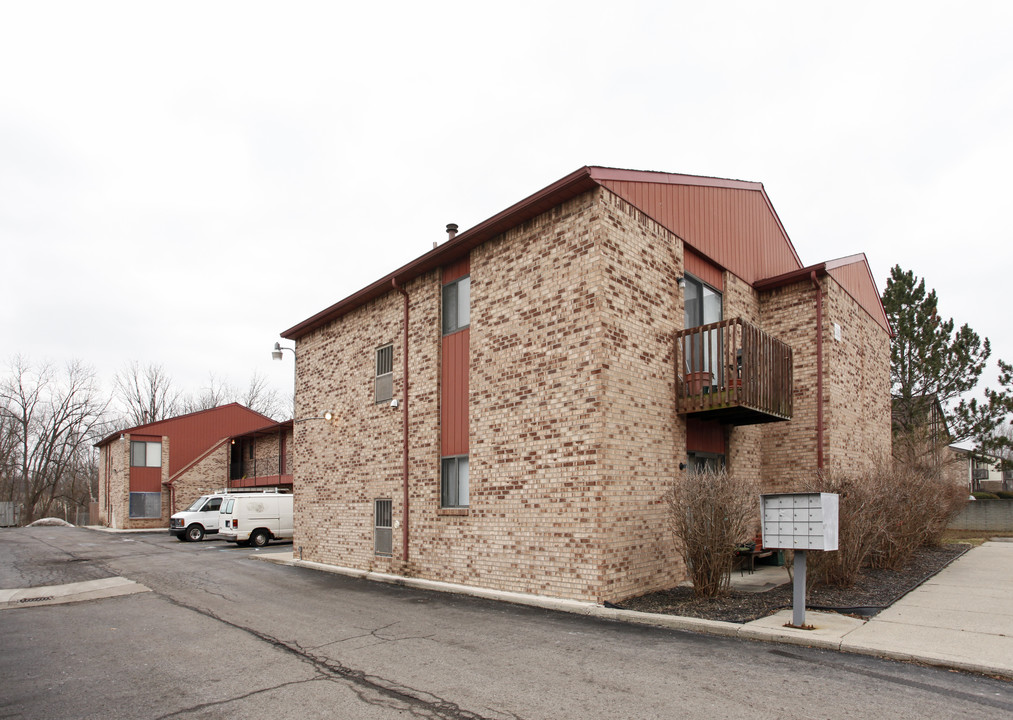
705, 436
454, 408
145, 479
856, 279
191, 435
702, 269
734, 227
457, 269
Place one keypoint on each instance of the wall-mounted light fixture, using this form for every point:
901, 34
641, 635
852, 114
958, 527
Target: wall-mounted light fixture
328, 416
277, 355
681, 282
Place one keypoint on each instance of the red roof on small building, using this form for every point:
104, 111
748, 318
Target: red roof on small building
192, 434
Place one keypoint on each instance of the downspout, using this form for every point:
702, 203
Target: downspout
819, 370
404, 353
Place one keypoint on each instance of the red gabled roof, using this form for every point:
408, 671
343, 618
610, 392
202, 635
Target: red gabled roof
852, 273
192, 434
730, 222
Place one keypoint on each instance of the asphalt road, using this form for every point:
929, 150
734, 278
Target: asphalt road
225, 635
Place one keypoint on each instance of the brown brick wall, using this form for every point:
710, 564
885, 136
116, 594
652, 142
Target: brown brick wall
640, 306
573, 436
857, 412
789, 448
119, 487
205, 476
743, 443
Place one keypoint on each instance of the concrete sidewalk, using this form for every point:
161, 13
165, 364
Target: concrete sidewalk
962, 618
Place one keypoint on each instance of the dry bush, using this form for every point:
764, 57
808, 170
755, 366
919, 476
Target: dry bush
709, 514
862, 513
920, 506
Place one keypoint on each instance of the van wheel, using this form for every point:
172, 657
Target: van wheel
195, 533
259, 538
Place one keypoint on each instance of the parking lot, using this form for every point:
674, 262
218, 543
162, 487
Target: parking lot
217, 632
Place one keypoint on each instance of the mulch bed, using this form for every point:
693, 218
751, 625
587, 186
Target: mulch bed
874, 591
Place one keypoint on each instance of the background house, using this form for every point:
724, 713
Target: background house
140, 468
559, 364
987, 473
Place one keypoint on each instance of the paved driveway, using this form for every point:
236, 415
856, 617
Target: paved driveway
221, 635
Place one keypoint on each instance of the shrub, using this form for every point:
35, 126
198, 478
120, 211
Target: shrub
982, 495
862, 512
710, 513
1005, 495
919, 507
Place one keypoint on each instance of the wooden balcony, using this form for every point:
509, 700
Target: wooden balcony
733, 372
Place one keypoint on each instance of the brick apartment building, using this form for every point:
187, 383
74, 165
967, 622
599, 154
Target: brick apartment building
148, 472
510, 408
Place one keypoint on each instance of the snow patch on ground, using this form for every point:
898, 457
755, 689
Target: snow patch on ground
56, 522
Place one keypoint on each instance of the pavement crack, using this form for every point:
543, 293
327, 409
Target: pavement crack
371, 689
218, 703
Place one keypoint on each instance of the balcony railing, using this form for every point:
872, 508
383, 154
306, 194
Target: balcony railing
262, 467
733, 372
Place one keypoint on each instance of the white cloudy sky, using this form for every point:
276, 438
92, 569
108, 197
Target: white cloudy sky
180, 182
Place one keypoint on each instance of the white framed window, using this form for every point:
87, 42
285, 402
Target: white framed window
145, 454
384, 385
383, 527
457, 305
454, 482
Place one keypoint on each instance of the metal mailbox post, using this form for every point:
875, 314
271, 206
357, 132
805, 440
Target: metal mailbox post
799, 522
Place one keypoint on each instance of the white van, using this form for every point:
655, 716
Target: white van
256, 519
198, 520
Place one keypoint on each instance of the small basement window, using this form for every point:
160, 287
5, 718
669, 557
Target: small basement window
383, 527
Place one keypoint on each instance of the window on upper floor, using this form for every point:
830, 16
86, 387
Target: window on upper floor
454, 482
703, 303
384, 384
145, 454
457, 305
703, 307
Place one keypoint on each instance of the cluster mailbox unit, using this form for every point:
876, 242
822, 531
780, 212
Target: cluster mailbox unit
799, 522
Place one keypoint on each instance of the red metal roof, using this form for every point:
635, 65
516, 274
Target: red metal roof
852, 273
192, 434
732, 223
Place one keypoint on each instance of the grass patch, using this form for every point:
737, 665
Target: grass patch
974, 537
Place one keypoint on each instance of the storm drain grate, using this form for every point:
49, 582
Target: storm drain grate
38, 599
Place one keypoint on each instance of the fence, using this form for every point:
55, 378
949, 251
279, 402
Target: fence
10, 514
989, 515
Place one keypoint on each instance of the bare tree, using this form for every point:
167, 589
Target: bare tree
147, 393
215, 393
55, 418
258, 396
261, 398
8, 455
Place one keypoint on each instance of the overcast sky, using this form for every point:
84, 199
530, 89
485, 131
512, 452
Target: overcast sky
180, 182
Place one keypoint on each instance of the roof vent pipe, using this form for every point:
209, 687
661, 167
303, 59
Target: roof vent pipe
451, 230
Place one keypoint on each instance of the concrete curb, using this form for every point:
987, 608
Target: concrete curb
68, 593
830, 630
